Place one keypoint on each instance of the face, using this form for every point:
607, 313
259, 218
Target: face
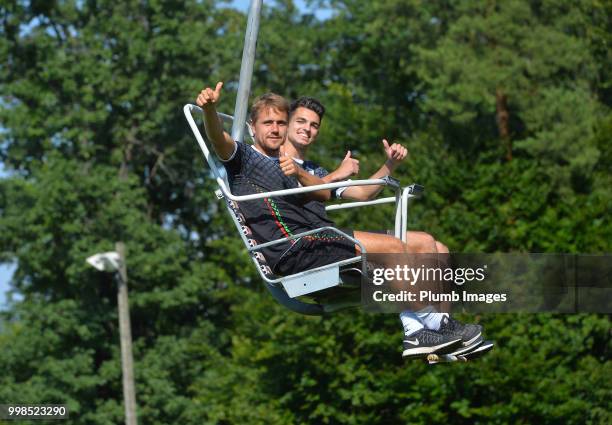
270, 130
303, 127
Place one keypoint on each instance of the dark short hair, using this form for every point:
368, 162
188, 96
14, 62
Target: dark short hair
268, 100
308, 103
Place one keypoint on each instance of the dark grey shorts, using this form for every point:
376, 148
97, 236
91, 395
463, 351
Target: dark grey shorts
315, 251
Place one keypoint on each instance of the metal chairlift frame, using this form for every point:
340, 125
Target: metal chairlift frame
311, 283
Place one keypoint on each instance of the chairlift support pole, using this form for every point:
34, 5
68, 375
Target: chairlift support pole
246, 70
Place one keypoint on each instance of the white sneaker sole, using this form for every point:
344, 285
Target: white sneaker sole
473, 340
421, 351
467, 348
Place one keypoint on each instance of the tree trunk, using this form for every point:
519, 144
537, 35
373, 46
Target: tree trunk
503, 118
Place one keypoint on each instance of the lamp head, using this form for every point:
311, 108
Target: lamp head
105, 262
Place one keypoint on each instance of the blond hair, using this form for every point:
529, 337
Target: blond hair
268, 101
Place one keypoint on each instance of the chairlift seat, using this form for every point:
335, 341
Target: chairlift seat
324, 289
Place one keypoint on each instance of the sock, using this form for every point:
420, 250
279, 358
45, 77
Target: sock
430, 318
410, 322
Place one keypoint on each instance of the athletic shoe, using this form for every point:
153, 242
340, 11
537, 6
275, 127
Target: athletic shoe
452, 328
426, 341
479, 351
463, 349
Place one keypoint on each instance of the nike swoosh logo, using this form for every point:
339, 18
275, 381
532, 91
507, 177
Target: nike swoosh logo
415, 342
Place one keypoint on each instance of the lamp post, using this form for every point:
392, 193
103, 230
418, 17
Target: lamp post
115, 262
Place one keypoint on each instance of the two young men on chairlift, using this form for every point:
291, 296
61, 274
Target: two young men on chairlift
277, 160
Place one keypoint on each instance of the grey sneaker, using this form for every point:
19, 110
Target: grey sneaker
469, 333
425, 341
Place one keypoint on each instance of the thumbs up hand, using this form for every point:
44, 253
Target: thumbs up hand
348, 167
396, 153
288, 166
208, 96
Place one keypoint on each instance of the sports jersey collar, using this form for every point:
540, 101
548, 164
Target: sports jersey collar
261, 153
299, 161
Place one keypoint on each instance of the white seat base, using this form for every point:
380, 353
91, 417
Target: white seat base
307, 283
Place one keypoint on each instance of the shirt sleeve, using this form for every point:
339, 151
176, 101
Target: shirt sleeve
232, 155
339, 191
320, 172
234, 164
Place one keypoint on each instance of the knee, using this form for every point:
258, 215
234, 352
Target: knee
441, 248
421, 242
397, 246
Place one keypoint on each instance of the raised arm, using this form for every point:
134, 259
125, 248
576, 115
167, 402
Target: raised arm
222, 142
396, 153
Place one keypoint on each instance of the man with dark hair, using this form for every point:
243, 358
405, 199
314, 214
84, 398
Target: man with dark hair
306, 114
256, 169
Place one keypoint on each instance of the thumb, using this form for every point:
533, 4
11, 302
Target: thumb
348, 155
385, 144
218, 87
281, 150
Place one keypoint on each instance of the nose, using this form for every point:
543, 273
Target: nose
275, 127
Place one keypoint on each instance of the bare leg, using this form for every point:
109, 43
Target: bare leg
376, 243
391, 250
446, 287
441, 248
417, 243
421, 243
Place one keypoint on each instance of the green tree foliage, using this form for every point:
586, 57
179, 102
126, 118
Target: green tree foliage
505, 107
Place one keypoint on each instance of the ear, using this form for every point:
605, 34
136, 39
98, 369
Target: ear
251, 127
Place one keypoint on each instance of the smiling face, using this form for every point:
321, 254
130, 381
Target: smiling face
270, 129
303, 128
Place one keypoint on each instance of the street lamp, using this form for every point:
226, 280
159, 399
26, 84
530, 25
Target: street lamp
114, 261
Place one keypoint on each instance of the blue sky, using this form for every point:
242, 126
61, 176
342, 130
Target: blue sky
6, 270
301, 4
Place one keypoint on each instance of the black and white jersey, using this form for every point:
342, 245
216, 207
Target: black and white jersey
250, 171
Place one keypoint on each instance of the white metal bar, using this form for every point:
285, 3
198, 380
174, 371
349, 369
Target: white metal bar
405, 196
304, 189
398, 215
360, 204
308, 232
187, 109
